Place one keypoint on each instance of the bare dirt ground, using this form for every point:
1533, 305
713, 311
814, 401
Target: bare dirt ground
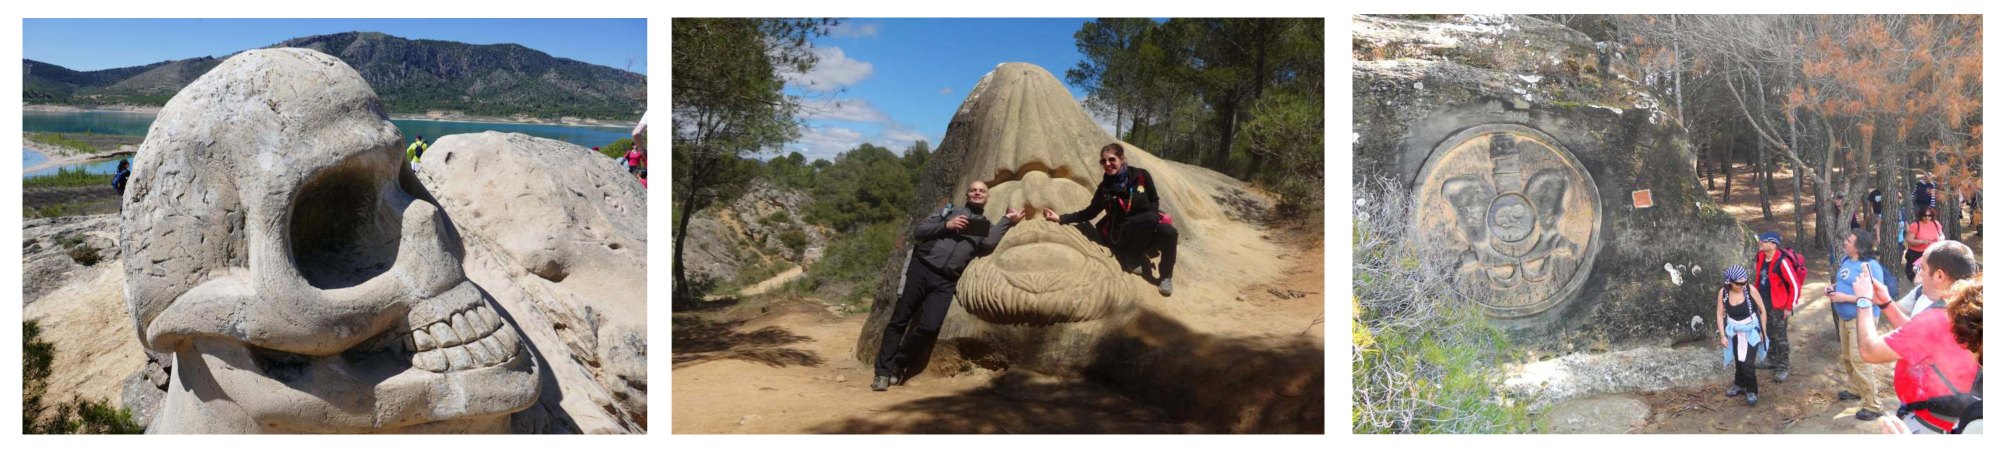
773, 364
81, 308
1808, 402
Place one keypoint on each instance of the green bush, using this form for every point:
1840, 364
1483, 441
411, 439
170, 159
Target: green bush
617, 148
69, 177
854, 261
794, 239
1425, 359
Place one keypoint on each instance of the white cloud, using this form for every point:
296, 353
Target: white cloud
846, 109
829, 142
853, 30
833, 71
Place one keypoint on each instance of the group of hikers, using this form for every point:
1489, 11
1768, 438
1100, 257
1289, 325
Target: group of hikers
1935, 328
1134, 227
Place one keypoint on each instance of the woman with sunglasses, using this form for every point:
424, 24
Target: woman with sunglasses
1133, 223
1739, 320
1918, 237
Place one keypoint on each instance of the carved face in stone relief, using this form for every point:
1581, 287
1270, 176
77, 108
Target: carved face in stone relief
1520, 211
274, 244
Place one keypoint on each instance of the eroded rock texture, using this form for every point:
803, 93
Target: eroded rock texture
1523, 144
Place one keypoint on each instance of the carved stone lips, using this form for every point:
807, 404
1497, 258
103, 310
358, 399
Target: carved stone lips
470, 339
1042, 273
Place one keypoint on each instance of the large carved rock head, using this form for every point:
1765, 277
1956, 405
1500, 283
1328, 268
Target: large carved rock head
273, 243
1048, 292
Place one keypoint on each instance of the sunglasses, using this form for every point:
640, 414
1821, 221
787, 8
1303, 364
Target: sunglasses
1107, 160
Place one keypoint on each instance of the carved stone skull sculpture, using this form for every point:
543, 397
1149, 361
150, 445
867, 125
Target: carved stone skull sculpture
274, 245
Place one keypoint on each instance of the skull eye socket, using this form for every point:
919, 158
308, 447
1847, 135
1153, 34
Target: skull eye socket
342, 233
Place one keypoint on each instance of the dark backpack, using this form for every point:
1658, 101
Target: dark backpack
1964, 407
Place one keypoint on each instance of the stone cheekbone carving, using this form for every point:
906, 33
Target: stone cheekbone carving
1523, 216
273, 244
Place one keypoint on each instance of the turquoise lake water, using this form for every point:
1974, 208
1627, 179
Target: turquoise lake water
135, 124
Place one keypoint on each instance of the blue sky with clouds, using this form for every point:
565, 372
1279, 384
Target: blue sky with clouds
97, 44
892, 82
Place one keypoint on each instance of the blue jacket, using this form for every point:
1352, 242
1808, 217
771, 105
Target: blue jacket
1843, 282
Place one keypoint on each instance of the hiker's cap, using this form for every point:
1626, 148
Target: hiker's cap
1735, 274
1771, 237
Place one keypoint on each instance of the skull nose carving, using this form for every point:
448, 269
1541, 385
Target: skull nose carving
342, 233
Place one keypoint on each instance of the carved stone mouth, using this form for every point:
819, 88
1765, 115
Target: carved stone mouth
470, 339
1043, 273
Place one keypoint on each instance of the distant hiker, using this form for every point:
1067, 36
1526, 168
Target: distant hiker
1875, 202
1918, 237
1929, 362
1133, 223
1780, 274
1860, 255
634, 159
118, 180
947, 242
1739, 320
1924, 195
415, 152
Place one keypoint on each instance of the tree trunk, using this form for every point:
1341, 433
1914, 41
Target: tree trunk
1764, 187
1219, 161
683, 297
1728, 182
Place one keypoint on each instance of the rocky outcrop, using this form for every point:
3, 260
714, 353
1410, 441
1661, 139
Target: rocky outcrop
303, 279
1564, 192
557, 234
751, 230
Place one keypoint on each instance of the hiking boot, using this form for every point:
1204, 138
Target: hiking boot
1846, 396
1867, 415
881, 384
1733, 391
1751, 399
1167, 287
1782, 375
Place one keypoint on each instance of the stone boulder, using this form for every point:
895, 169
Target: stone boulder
1563, 191
557, 235
1050, 299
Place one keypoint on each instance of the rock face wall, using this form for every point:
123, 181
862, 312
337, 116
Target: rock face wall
302, 279
1528, 149
557, 234
1050, 299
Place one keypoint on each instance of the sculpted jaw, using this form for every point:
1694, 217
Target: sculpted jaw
1042, 273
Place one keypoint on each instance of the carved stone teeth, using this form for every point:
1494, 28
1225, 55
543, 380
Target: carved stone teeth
429, 360
508, 340
463, 328
445, 336
492, 317
458, 358
481, 354
423, 340
477, 320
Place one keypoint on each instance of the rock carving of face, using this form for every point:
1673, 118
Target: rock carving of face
273, 242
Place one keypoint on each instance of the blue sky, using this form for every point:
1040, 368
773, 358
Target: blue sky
96, 44
893, 81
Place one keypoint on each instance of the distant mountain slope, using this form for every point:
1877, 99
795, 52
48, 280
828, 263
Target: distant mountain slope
411, 76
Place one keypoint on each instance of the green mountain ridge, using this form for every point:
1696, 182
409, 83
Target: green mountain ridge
412, 76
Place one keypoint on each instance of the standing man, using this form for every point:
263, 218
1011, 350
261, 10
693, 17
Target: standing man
946, 243
1930, 363
1860, 250
1778, 279
415, 152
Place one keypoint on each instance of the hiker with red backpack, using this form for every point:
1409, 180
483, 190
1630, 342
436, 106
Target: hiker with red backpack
1133, 223
1781, 271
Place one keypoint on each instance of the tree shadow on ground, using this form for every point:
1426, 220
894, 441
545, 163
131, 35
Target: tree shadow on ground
697, 340
1016, 402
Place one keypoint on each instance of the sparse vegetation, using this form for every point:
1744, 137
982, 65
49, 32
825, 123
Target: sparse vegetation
1425, 359
77, 416
64, 141
69, 177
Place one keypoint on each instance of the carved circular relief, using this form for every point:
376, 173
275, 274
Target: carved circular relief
1517, 210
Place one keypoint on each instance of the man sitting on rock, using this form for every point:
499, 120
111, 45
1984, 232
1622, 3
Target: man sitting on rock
947, 242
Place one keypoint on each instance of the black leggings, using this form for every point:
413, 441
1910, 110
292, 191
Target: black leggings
1746, 368
1909, 264
1144, 232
